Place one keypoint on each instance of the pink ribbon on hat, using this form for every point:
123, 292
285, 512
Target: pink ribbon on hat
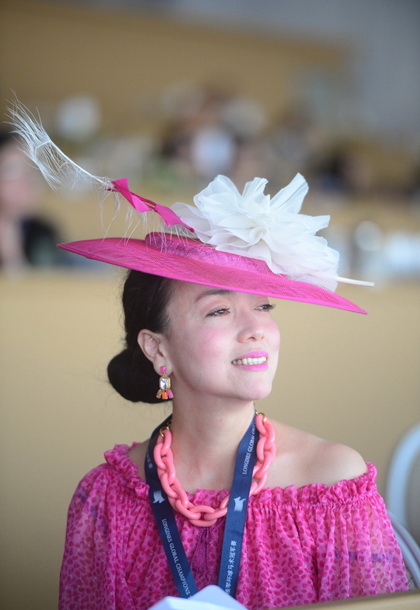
145, 205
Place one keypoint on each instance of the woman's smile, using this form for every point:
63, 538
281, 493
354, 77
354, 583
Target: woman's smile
257, 361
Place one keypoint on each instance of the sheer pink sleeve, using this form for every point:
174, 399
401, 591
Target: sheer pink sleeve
92, 577
357, 552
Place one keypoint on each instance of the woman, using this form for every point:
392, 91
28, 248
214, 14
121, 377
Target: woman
219, 494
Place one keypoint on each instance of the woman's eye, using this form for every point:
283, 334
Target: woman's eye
218, 312
266, 307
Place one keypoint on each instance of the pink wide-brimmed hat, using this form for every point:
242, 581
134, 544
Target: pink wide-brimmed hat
247, 242
190, 260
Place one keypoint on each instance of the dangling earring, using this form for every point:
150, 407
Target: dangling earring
164, 391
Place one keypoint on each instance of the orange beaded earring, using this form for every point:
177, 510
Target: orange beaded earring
164, 391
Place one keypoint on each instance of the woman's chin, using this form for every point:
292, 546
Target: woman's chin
259, 393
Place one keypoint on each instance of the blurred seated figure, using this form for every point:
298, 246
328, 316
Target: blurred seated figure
345, 170
295, 144
26, 239
199, 143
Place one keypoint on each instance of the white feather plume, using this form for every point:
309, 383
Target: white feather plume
56, 167
61, 172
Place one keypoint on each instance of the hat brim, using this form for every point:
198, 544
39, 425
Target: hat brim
191, 261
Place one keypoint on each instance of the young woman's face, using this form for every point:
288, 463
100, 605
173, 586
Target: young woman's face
221, 344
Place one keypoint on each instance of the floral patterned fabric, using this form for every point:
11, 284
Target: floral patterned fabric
314, 543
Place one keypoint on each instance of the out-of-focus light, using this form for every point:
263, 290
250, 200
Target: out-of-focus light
368, 236
78, 118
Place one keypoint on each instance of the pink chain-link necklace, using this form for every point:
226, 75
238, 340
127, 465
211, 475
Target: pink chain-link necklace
203, 515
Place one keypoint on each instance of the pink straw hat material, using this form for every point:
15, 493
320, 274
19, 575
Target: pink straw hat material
189, 260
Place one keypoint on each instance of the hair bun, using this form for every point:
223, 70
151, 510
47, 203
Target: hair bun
132, 375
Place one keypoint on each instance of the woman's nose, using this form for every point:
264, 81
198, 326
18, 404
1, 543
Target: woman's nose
251, 329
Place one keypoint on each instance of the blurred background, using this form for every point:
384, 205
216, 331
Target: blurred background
170, 93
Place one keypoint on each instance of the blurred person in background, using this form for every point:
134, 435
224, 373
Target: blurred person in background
26, 239
198, 143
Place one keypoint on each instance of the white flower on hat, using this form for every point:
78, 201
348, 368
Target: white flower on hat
255, 225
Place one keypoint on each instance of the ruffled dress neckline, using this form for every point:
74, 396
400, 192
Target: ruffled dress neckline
312, 493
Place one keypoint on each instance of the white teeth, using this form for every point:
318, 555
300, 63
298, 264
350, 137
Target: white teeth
250, 361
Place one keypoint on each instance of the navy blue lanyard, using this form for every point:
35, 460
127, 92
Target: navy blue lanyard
235, 518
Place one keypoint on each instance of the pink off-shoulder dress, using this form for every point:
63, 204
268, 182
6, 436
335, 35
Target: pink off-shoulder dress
314, 543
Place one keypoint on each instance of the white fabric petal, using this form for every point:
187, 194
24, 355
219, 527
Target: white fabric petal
264, 228
291, 196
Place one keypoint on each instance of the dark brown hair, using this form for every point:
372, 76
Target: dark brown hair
144, 299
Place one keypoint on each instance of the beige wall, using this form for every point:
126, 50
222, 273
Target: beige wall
347, 377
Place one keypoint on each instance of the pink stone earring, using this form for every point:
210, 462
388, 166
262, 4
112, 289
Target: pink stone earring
164, 391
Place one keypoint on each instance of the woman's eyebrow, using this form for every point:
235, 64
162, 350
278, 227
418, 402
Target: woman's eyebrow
212, 291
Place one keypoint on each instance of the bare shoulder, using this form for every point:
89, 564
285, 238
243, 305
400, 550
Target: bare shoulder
303, 459
335, 462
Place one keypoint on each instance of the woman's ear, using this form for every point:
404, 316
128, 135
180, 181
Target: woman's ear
152, 346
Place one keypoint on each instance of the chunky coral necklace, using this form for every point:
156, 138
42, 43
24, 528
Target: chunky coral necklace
203, 515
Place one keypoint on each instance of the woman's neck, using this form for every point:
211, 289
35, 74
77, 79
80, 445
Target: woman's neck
205, 443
